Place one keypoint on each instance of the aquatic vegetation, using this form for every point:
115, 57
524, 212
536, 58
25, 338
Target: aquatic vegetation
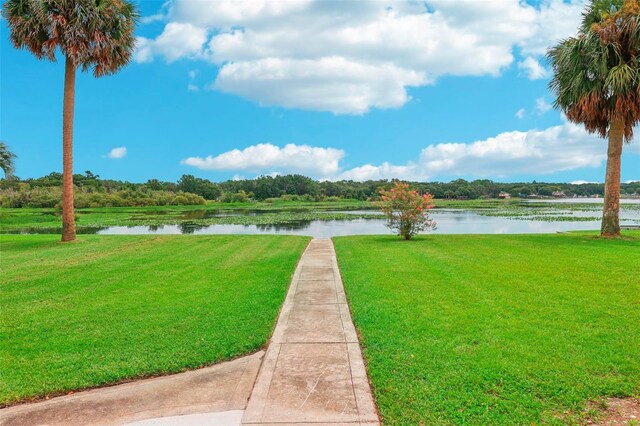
288, 212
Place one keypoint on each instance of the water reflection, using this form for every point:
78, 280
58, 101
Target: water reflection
580, 200
212, 213
450, 221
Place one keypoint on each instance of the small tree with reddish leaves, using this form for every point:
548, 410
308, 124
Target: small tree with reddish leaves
406, 210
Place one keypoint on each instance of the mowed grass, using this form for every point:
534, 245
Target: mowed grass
110, 308
490, 329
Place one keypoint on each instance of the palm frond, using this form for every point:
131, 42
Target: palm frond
96, 35
596, 74
7, 159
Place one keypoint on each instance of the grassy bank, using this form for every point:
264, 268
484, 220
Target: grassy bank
495, 329
108, 308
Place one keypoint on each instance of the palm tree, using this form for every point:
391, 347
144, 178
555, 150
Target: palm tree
91, 34
6, 160
597, 83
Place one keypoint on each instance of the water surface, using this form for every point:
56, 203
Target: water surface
450, 221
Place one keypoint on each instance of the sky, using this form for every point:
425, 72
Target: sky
426, 91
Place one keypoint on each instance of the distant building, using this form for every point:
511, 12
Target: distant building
504, 195
558, 194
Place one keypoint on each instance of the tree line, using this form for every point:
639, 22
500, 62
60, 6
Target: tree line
93, 191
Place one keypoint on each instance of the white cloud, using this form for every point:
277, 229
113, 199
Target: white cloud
178, 40
533, 69
192, 86
556, 20
535, 152
267, 158
326, 84
144, 50
384, 171
117, 153
152, 18
555, 149
542, 106
349, 57
581, 182
520, 113
161, 15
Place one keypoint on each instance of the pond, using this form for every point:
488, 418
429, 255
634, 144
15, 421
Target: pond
580, 200
450, 221
534, 216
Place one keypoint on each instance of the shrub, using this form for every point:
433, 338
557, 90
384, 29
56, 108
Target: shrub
406, 210
52, 197
238, 197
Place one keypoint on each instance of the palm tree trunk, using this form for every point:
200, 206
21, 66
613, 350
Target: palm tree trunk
611, 209
68, 220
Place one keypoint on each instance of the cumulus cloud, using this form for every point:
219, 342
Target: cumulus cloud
350, 57
535, 152
385, 171
532, 68
178, 40
520, 113
117, 153
551, 150
266, 158
555, 20
326, 84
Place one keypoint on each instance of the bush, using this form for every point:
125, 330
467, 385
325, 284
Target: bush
49, 197
237, 197
406, 210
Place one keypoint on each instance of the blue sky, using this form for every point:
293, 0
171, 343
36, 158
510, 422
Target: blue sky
328, 89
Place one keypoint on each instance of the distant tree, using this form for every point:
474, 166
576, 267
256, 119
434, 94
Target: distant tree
154, 184
187, 183
89, 175
597, 83
91, 34
7, 160
545, 191
203, 187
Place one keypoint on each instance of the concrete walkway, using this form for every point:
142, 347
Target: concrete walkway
221, 391
313, 370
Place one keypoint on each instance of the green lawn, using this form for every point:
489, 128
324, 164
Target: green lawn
490, 329
109, 308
